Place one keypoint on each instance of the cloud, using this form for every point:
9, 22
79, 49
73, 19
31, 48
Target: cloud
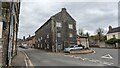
88, 15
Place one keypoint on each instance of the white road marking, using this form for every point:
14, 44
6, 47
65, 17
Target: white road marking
76, 57
108, 56
80, 58
107, 63
86, 59
71, 56
91, 60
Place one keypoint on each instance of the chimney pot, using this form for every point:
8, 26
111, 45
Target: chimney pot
110, 27
63, 9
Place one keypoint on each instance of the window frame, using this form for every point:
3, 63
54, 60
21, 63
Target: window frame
58, 34
58, 24
70, 26
70, 35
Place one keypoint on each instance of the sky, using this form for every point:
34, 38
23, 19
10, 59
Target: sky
89, 15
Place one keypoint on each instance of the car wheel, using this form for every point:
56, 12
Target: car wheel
72, 50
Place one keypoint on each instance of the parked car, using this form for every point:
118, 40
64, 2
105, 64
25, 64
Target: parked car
20, 45
24, 46
73, 47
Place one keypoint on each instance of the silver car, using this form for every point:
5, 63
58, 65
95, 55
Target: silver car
73, 47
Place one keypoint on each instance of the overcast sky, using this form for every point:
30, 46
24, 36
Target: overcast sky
89, 16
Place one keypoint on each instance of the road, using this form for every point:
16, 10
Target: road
99, 52
43, 58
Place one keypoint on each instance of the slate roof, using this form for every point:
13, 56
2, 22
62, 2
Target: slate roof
117, 29
57, 15
30, 38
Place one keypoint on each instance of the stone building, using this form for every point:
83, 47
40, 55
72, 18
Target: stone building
10, 20
56, 33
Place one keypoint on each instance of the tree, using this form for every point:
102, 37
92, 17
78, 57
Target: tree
100, 35
87, 34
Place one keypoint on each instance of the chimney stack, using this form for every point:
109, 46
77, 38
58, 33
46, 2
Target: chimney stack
29, 36
63, 9
23, 38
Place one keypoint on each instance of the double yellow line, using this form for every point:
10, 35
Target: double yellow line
28, 62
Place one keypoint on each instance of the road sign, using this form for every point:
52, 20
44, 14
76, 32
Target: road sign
108, 56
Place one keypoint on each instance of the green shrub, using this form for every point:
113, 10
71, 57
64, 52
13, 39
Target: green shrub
118, 40
112, 41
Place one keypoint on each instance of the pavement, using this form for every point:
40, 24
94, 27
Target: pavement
19, 59
0, 56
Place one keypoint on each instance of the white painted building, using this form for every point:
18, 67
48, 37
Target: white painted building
0, 35
83, 40
113, 33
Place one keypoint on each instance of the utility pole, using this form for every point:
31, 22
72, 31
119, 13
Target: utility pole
56, 37
5, 36
53, 34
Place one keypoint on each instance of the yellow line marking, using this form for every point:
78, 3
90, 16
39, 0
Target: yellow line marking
25, 62
28, 61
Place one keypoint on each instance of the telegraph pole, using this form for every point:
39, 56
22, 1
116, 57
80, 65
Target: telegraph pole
56, 37
5, 36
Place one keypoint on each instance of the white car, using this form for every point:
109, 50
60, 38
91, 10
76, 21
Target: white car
73, 47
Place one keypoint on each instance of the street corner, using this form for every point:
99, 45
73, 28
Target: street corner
88, 51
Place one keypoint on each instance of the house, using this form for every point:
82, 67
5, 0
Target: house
56, 33
113, 33
84, 40
19, 42
0, 34
30, 41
